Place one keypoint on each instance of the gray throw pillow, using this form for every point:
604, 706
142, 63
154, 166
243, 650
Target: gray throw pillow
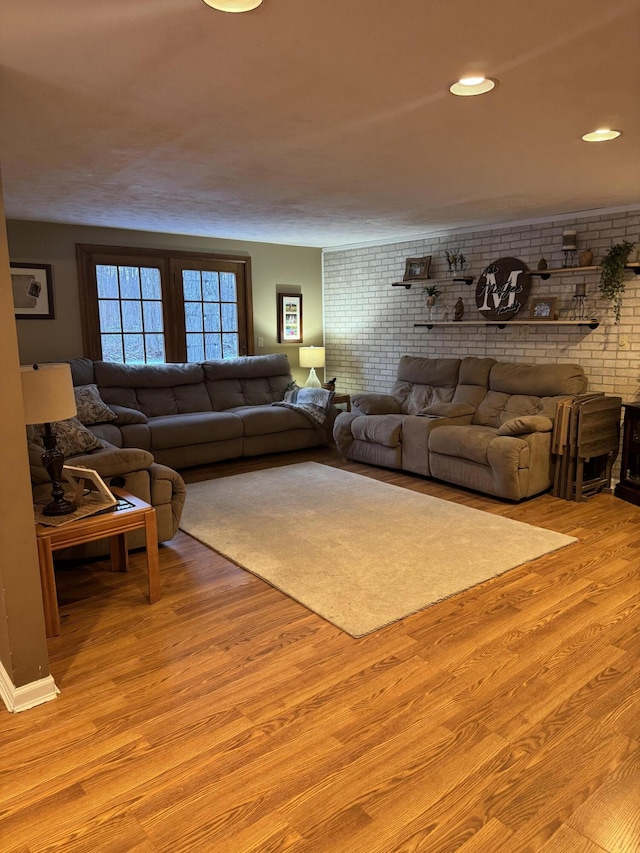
91, 407
71, 435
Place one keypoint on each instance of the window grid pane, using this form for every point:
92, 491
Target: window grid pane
130, 313
131, 329
210, 308
107, 281
213, 347
195, 348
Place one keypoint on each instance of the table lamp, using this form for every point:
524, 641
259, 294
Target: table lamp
47, 394
312, 357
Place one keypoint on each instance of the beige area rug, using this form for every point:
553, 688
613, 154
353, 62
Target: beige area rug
359, 553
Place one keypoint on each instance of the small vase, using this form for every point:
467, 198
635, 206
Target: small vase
585, 258
431, 304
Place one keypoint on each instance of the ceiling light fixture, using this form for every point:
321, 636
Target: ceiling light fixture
233, 5
467, 86
603, 134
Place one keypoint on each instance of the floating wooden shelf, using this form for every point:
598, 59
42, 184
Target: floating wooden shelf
465, 279
593, 323
545, 274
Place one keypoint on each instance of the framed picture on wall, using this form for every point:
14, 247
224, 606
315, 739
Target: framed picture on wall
32, 286
289, 318
543, 309
417, 269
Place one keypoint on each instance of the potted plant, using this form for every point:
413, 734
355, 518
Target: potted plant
612, 274
431, 294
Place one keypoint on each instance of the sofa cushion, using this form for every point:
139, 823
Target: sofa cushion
266, 420
82, 372
497, 407
449, 410
91, 407
176, 400
421, 382
257, 380
116, 375
473, 380
539, 380
416, 370
378, 429
463, 442
527, 389
155, 390
170, 431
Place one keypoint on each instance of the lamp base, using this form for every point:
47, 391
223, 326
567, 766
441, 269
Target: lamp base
312, 381
59, 507
53, 461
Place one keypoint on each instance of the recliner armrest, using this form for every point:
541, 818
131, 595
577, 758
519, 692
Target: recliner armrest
526, 424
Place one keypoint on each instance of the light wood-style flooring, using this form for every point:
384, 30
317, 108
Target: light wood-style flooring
227, 718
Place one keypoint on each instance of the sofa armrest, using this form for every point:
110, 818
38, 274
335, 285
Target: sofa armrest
342, 434
127, 415
375, 404
449, 410
109, 461
168, 494
526, 424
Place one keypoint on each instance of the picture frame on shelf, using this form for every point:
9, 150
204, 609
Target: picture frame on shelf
32, 286
290, 318
543, 309
417, 269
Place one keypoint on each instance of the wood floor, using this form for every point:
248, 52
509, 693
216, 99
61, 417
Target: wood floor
227, 718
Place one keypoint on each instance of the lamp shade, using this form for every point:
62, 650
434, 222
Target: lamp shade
233, 5
311, 356
47, 393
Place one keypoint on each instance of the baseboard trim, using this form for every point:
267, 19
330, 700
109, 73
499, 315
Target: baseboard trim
29, 695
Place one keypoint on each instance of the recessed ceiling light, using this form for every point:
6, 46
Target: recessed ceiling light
468, 86
603, 134
233, 5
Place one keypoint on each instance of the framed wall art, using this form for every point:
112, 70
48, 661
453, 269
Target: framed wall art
417, 269
32, 291
543, 309
289, 318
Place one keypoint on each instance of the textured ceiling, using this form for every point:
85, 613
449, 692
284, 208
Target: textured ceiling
315, 122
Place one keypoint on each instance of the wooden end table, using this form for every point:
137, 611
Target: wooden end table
342, 398
113, 526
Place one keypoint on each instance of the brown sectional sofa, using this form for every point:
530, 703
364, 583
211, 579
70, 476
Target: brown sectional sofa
475, 422
179, 415
196, 414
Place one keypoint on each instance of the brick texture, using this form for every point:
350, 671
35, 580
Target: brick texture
369, 323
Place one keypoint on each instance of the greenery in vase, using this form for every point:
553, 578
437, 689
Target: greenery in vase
612, 274
431, 290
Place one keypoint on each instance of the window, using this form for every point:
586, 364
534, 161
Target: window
151, 306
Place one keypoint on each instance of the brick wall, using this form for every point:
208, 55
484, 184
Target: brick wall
369, 323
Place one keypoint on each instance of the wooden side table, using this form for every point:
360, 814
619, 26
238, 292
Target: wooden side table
113, 526
342, 398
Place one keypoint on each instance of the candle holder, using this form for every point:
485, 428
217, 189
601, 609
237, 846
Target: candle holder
578, 306
569, 248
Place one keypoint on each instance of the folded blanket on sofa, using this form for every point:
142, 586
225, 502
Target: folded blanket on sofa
313, 403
